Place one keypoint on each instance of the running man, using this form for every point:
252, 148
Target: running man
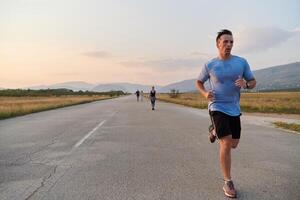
137, 93
227, 74
152, 96
142, 95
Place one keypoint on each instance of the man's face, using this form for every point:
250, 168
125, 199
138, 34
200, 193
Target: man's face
224, 44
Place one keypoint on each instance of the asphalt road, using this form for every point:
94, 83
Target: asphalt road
120, 149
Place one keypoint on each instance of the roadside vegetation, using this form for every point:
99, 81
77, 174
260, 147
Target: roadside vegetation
288, 126
54, 92
262, 102
20, 102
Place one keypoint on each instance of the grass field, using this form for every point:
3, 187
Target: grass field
267, 102
16, 106
289, 126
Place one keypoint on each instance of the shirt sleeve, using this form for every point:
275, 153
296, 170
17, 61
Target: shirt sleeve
203, 76
248, 75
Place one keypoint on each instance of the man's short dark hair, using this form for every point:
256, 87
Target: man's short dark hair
223, 32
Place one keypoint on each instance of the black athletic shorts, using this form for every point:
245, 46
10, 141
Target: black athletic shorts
226, 124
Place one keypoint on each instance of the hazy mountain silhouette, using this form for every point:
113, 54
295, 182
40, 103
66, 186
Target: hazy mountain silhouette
73, 85
278, 77
272, 78
126, 87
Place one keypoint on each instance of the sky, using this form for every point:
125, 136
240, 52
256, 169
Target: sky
155, 42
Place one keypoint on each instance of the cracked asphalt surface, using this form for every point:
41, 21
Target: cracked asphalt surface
137, 153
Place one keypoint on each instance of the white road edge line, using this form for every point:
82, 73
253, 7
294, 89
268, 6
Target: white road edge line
89, 134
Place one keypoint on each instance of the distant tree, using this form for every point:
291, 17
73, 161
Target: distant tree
174, 93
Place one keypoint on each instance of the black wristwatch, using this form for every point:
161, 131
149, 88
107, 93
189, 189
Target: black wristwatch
247, 85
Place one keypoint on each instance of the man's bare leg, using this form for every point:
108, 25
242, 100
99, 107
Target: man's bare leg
225, 156
234, 143
226, 143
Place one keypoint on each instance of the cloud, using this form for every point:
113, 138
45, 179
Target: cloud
201, 54
97, 54
260, 39
167, 64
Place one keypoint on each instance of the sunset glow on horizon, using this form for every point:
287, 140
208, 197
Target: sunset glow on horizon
157, 42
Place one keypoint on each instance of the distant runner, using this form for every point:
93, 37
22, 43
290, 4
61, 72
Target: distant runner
142, 93
137, 93
152, 96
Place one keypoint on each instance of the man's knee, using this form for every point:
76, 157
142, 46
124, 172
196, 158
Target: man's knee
226, 143
234, 143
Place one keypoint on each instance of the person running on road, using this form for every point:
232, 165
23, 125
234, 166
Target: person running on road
227, 74
137, 93
142, 93
152, 97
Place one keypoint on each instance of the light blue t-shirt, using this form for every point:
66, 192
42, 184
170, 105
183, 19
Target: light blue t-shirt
222, 75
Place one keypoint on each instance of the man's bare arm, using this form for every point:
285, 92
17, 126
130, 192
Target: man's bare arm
208, 95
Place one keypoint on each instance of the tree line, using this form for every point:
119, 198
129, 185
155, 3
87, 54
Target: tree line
54, 92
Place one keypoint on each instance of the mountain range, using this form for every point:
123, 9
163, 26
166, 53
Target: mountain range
271, 78
83, 86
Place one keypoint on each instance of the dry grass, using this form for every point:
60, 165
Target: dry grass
288, 126
16, 106
268, 102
